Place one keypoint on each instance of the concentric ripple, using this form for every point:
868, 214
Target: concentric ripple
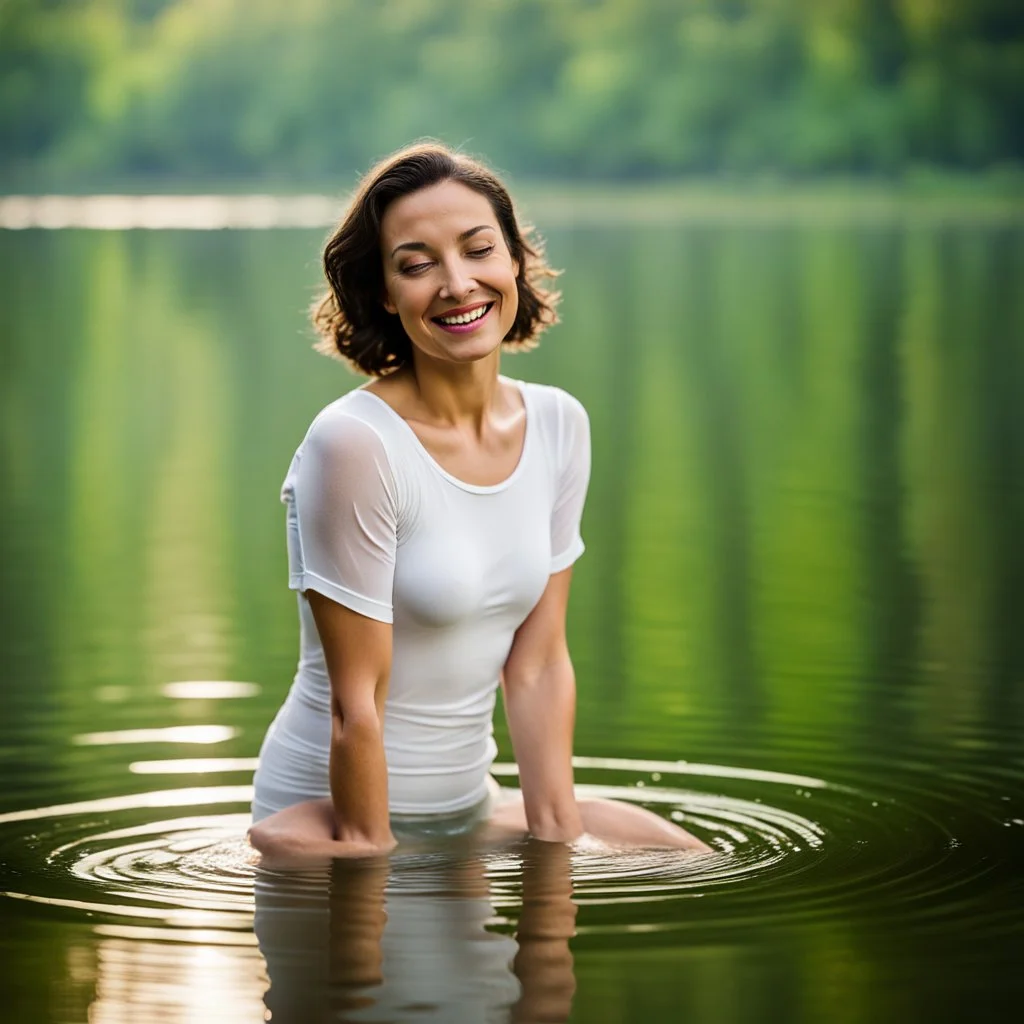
98, 856
784, 847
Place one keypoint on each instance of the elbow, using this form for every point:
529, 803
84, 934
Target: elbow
518, 674
355, 723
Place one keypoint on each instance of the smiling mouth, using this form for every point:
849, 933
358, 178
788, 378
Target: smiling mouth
464, 319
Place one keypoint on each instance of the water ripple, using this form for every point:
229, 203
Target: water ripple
784, 847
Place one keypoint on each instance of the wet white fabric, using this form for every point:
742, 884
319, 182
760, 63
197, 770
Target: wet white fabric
376, 524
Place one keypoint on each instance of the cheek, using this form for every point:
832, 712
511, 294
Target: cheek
411, 298
513, 286
512, 299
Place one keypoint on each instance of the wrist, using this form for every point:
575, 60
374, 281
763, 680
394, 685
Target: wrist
554, 826
377, 838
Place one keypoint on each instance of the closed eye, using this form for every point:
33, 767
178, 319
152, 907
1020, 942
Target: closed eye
481, 253
414, 268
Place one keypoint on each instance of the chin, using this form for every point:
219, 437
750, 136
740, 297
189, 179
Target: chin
473, 355
468, 351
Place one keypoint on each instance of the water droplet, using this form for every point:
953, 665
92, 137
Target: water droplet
640, 783
656, 776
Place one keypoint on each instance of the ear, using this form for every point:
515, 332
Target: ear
388, 305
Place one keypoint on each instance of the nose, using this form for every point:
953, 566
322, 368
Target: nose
457, 282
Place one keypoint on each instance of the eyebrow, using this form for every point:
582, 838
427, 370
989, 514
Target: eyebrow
422, 246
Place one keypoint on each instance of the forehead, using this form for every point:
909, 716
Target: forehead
435, 213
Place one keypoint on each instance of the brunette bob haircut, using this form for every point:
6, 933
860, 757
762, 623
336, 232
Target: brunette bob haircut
351, 319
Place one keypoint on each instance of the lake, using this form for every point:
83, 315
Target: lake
797, 629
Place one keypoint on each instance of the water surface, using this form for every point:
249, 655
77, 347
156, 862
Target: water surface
797, 630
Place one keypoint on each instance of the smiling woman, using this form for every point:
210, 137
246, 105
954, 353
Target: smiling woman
352, 319
433, 520
454, 294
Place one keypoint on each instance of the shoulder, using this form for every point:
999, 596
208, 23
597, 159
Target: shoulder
562, 422
355, 419
559, 411
562, 427
348, 436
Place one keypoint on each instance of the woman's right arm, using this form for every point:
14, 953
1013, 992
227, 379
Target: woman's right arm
357, 650
342, 541
354, 821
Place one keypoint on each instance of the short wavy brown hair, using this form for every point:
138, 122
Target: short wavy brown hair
351, 319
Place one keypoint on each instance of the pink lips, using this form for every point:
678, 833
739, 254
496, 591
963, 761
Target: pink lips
464, 328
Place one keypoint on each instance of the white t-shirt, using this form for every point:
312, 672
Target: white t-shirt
376, 524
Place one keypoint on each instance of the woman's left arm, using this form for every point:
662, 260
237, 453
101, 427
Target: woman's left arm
539, 689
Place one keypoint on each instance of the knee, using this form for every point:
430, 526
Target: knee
626, 824
269, 840
259, 836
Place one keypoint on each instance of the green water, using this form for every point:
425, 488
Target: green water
804, 578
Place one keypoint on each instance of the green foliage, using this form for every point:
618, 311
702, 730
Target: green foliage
606, 89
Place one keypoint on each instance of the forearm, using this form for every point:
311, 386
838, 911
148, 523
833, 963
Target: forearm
541, 712
359, 780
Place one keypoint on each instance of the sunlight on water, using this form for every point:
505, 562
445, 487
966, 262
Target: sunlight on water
172, 734
203, 980
210, 212
158, 798
201, 690
194, 766
554, 207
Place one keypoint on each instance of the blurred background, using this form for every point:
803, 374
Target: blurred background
792, 236
98, 93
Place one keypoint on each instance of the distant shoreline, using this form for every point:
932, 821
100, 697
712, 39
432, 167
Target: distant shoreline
552, 205
1006, 180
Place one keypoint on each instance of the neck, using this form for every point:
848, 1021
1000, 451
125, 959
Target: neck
457, 393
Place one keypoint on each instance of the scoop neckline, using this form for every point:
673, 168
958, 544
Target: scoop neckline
465, 485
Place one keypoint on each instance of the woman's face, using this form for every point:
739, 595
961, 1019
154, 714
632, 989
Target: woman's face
448, 274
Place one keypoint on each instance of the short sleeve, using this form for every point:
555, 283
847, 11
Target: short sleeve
342, 518
573, 448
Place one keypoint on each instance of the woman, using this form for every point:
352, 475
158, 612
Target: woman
433, 519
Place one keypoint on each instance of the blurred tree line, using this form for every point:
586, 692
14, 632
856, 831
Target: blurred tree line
94, 90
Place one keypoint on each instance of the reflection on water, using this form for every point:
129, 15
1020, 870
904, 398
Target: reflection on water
449, 929
803, 577
193, 977
443, 930
395, 942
